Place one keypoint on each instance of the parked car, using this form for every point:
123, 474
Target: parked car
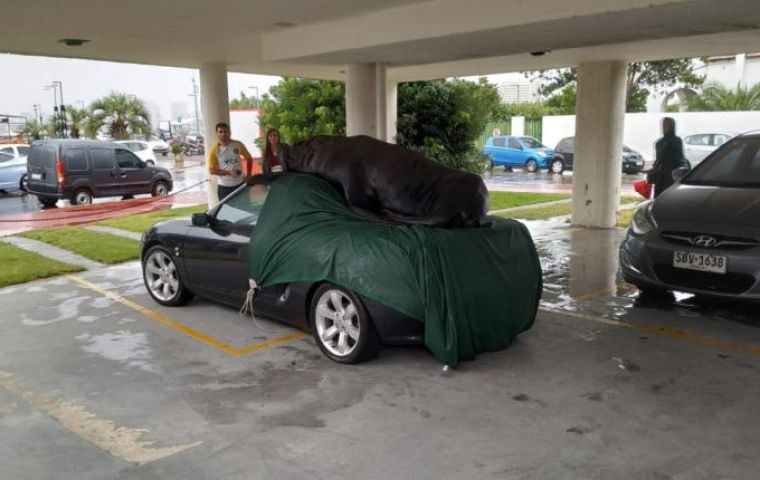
699, 145
702, 235
83, 169
12, 172
159, 147
16, 149
141, 149
632, 161
517, 151
207, 256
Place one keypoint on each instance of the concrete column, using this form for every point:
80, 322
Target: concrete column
599, 120
215, 108
367, 100
391, 100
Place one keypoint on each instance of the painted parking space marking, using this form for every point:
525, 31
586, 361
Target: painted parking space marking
752, 350
117, 440
181, 327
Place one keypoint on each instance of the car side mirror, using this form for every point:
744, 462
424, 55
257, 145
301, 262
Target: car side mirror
679, 173
201, 219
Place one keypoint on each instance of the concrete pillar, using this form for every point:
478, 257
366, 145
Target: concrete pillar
215, 108
367, 97
599, 120
391, 100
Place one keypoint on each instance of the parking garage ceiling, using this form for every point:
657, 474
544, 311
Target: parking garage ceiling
417, 39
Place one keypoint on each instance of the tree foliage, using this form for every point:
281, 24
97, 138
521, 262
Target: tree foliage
77, 120
642, 79
716, 97
442, 118
243, 102
301, 108
34, 130
121, 114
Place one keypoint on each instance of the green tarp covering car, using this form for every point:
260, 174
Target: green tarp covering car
475, 289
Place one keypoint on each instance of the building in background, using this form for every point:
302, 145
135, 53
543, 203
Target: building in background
518, 90
732, 70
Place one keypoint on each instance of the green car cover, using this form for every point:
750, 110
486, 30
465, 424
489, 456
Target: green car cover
475, 289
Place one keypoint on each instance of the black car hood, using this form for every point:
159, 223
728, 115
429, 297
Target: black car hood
709, 205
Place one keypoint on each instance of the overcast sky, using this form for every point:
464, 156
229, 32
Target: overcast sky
23, 78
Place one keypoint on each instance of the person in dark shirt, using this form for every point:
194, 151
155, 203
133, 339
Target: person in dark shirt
274, 153
668, 157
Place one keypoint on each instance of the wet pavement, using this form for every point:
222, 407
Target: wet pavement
98, 381
543, 181
187, 176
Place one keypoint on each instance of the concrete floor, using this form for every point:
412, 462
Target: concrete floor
605, 386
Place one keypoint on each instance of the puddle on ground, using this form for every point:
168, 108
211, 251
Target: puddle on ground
125, 347
68, 309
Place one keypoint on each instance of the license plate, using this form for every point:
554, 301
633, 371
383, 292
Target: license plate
703, 262
36, 176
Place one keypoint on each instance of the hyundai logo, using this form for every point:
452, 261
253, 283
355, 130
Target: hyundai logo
705, 241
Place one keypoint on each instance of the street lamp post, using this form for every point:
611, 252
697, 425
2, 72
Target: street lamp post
63, 109
55, 108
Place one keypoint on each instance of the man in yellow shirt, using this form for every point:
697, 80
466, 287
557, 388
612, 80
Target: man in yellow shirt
224, 161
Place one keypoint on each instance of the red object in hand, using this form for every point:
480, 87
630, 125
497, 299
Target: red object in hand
643, 188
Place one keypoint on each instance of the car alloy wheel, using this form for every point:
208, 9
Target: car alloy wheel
160, 189
81, 197
341, 326
24, 183
558, 166
531, 165
162, 278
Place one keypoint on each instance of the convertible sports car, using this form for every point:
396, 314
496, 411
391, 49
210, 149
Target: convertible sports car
355, 283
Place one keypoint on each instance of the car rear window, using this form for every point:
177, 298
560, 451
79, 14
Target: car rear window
76, 160
42, 157
102, 158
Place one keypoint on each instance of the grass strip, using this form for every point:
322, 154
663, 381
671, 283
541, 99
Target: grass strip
501, 200
97, 246
142, 221
18, 266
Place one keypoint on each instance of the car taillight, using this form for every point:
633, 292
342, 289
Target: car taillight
59, 169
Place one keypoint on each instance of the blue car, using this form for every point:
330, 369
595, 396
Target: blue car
517, 151
12, 172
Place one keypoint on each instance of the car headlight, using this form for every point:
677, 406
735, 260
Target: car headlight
643, 222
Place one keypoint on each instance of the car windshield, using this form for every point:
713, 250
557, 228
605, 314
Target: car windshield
243, 209
736, 164
531, 142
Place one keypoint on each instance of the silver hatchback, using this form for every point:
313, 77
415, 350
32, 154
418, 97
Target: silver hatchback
702, 235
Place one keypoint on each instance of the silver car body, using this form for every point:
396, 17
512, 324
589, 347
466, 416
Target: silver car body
702, 235
697, 146
12, 172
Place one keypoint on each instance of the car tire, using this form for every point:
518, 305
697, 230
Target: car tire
161, 278
160, 189
47, 201
81, 196
489, 165
557, 166
341, 326
23, 183
531, 165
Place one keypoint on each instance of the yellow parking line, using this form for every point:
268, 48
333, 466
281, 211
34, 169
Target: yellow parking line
181, 327
666, 331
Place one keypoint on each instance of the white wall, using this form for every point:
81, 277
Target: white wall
245, 128
643, 129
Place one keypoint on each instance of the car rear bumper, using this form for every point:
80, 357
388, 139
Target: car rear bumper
647, 261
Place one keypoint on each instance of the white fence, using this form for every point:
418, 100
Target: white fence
643, 129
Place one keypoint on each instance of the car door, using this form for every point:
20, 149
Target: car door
216, 255
496, 150
105, 175
7, 171
134, 176
566, 148
515, 154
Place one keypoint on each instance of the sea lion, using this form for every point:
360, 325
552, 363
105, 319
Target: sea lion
391, 182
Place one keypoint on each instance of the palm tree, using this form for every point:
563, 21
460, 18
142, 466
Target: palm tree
716, 97
77, 120
122, 115
33, 130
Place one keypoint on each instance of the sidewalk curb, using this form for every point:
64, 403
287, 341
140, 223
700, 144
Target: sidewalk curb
114, 231
52, 252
